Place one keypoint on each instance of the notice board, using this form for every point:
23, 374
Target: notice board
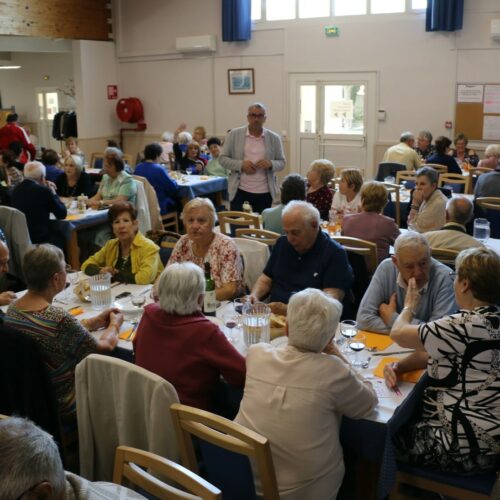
477, 111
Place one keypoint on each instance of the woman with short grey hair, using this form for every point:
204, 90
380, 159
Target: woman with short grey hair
296, 397
64, 341
176, 341
74, 181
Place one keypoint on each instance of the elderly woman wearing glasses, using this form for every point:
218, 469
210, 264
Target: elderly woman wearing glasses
457, 427
63, 339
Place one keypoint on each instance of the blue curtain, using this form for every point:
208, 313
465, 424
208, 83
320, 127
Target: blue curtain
236, 20
444, 15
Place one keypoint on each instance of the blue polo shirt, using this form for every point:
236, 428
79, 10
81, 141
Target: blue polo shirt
324, 265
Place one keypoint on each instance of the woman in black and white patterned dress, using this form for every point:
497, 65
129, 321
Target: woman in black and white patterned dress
459, 425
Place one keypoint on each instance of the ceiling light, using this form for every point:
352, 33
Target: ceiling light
10, 67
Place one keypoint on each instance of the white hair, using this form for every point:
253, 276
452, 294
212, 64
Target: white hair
167, 136
180, 287
28, 456
312, 318
309, 213
77, 162
184, 137
112, 151
34, 170
410, 239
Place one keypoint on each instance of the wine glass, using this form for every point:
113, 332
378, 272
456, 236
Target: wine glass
357, 344
348, 330
138, 299
231, 321
189, 170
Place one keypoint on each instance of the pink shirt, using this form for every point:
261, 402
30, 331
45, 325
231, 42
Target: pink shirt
255, 150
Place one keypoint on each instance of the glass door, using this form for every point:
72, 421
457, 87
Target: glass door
48, 106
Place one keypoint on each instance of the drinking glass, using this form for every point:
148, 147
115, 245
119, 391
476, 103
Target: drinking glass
348, 330
357, 344
230, 322
239, 303
189, 170
138, 299
481, 229
256, 323
100, 291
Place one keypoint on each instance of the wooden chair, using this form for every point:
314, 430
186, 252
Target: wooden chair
491, 207
262, 235
131, 462
405, 175
222, 433
234, 218
452, 180
445, 255
169, 239
395, 188
170, 220
99, 157
442, 169
365, 248
489, 202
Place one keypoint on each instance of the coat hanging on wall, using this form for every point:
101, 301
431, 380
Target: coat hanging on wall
64, 125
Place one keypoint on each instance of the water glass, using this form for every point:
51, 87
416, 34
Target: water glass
357, 344
100, 291
239, 303
138, 299
481, 229
256, 323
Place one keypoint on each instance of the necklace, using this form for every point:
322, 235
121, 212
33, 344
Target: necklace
123, 263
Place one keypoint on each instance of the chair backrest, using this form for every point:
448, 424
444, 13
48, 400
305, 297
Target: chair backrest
261, 235
227, 219
170, 220
15, 228
255, 256
386, 169
405, 175
395, 188
152, 200
361, 247
457, 182
96, 160
228, 435
130, 464
442, 169
141, 204
119, 403
445, 255
490, 208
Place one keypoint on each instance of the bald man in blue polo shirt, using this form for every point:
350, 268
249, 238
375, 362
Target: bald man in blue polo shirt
305, 258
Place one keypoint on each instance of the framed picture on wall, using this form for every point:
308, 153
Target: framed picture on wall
241, 81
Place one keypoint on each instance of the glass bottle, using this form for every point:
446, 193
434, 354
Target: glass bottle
209, 302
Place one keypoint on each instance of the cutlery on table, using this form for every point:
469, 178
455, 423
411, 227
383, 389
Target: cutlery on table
391, 353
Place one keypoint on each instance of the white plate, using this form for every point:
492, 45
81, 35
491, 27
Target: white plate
280, 342
126, 307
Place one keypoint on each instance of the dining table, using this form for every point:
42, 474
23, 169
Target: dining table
191, 186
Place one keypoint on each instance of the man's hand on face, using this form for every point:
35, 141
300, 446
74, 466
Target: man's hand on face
386, 311
6, 298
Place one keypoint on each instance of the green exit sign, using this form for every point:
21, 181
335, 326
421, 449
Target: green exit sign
331, 31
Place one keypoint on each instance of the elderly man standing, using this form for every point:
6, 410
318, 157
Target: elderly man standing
305, 258
37, 199
453, 235
253, 154
403, 152
384, 298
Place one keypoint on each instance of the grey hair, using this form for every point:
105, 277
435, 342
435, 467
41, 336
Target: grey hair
308, 212
28, 456
180, 287
325, 168
167, 136
427, 134
77, 162
410, 239
40, 263
184, 137
312, 318
406, 136
197, 203
460, 209
430, 173
492, 149
34, 170
112, 151
257, 105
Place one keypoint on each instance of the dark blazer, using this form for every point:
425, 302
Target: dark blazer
37, 203
83, 186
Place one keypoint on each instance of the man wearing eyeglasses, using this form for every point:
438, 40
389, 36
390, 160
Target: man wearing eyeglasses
253, 154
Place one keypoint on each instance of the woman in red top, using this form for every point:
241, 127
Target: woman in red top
176, 341
321, 172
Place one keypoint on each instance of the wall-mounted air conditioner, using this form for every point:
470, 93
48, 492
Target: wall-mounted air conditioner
202, 43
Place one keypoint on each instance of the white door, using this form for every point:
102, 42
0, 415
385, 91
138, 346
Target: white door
48, 106
333, 116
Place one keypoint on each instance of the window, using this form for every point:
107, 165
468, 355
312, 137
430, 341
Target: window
281, 10
308, 109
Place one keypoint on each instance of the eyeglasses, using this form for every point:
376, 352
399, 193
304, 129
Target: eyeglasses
256, 115
453, 275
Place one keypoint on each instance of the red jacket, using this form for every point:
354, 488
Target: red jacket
188, 351
14, 133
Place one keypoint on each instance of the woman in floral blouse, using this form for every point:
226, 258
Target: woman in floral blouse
321, 172
202, 244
